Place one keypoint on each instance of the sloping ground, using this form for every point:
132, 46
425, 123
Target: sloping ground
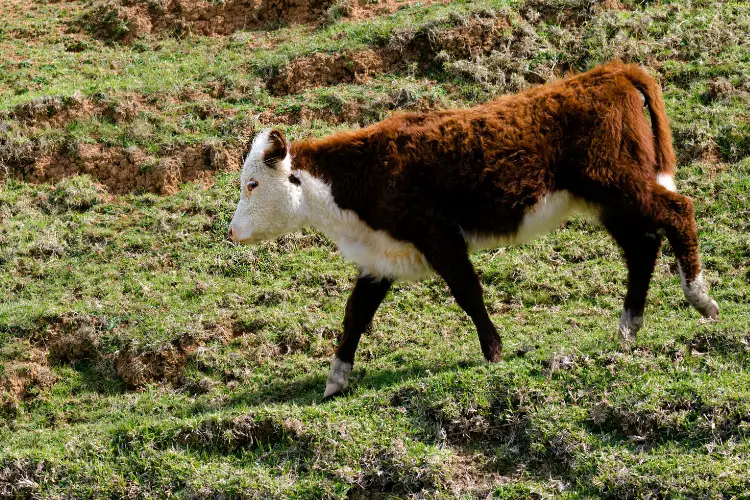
143, 356
201, 99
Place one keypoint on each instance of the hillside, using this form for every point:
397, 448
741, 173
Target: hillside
142, 355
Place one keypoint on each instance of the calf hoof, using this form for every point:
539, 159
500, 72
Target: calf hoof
494, 354
630, 323
338, 378
696, 293
710, 310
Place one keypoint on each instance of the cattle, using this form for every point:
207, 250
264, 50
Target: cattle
417, 192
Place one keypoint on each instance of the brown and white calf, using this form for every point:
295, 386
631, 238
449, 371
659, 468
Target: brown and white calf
415, 193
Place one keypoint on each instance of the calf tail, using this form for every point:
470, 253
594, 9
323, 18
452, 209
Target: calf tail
665, 158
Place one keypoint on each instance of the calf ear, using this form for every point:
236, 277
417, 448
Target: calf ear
277, 148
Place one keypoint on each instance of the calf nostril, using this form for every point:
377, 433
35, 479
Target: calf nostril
230, 235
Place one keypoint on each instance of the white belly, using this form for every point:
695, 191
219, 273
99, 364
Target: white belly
380, 255
546, 215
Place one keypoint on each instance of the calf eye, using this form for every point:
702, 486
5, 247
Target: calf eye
252, 184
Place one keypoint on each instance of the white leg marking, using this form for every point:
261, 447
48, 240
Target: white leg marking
696, 293
667, 181
337, 377
630, 323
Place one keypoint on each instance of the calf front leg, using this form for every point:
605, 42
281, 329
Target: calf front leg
367, 295
640, 244
449, 257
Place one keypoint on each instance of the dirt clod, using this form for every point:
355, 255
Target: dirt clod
717, 89
165, 364
23, 380
74, 337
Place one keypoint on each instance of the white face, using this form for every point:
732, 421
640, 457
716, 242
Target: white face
269, 201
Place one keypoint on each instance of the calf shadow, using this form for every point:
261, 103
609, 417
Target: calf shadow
308, 389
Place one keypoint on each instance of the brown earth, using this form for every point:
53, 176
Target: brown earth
131, 169
54, 111
567, 12
163, 365
477, 36
22, 380
73, 337
126, 20
363, 9
118, 169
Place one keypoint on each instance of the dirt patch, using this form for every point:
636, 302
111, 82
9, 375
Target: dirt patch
424, 47
24, 380
57, 111
364, 9
473, 474
27, 153
123, 170
567, 12
74, 337
166, 364
718, 89
126, 20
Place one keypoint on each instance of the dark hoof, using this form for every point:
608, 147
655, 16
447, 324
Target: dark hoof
495, 355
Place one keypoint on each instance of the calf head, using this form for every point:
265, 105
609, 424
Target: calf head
270, 197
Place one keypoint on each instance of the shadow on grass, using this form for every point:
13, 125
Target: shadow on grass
308, 390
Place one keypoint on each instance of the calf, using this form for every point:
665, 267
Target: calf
415, 193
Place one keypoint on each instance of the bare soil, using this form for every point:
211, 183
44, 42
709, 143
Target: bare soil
477, 36
131, 169
126, 20
56, 112
163, 365
23, 380
73, 337
363, 9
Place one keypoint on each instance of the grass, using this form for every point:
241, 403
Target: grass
143, 355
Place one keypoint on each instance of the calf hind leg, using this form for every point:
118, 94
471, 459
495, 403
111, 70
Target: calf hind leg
674, 213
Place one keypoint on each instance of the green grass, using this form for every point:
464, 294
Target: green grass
156, 359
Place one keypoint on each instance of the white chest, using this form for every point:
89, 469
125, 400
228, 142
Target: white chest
379, 255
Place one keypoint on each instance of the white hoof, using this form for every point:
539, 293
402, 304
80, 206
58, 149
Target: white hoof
696, 293
629, 325
338, 377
